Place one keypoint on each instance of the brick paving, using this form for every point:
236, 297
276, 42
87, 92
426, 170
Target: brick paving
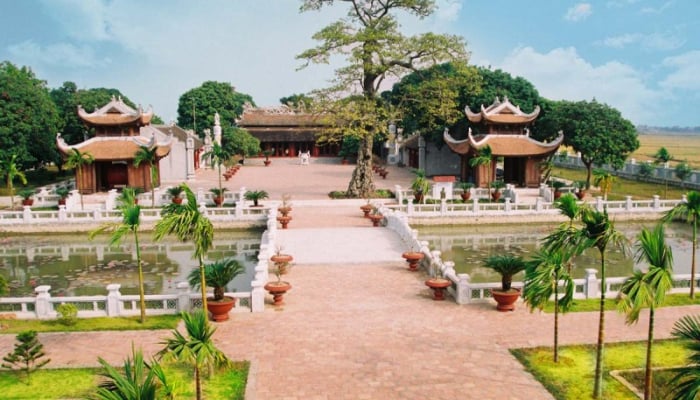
369, 331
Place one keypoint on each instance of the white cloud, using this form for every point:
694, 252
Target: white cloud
56, 55
562, 74
621, 41
84, 20
655, 41
657, 10
448, 10
578, 12
685, 71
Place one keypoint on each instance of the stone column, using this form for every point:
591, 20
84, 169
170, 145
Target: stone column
42, 307
421, 153
183, 296
592, 287
113, 296
189, 150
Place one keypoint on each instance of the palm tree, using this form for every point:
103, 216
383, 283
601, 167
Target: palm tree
136, 380
218, 156
188, 223
144, 154
77, 160
255, 196
10, 170
483, 157
131, 220
604, 180
690, 211
565, 234
687, 382
542, 278
599, 231
197, 348
648, 289
218, 274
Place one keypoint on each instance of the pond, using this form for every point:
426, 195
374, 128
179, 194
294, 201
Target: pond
75, 266
468, 246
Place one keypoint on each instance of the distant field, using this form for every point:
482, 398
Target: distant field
681, 147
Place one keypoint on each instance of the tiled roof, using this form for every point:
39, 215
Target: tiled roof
282, 134
504, 145
116, 112
114, 148
278, 116
501, 112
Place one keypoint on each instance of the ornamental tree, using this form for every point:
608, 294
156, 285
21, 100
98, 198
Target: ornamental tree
597, 131
374, 49
196, 107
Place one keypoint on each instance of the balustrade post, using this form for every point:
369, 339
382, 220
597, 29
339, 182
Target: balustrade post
591, 286
475, 205
508, 205
410, 209
113, 300
538, 204
96, 215
27, 214
443, 206
463, 295
62, 214
628, 203
657, 202
399, 194
42, 305
599, 203
183, 296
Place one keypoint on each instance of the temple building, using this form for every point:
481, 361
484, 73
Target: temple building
506, 129
286, 132
113, 148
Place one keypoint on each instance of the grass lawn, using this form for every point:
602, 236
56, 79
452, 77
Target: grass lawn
584, 305
572, 377
65, 383
90, 324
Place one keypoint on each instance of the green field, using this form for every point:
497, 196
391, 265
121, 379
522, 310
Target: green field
681, 147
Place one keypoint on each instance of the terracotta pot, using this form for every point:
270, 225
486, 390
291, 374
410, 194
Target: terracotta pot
284, 220
344, 161
62, 202
418, 196
496, 195
27, 202
466, 196
267, 163
413, 258
278, 290
506, 300
366, 209
219, 309
376, 219
176, 200
581, 194
281, 258
218, 200
284, 210
557, 194
438, 285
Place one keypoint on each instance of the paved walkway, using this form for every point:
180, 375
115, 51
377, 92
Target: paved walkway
365, 330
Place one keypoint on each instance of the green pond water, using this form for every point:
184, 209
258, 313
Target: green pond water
75, 266
468, 246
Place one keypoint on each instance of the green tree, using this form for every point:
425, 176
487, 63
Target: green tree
374, 48
78, 160
599, 232
662, 157
239, 141
27, 355
648, 289
136, 380
196, 348
150, 156
483, 157
683, 172
297, 101
10, 171
604, 180
688, 210
131, 221
29, 120
686, 382
645, 170
597, 131
547, 270
187, 222
218, 156
196, 107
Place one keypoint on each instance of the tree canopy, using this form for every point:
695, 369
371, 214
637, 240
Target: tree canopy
299, 100
374, 49
196, 107
597, 131
29, 120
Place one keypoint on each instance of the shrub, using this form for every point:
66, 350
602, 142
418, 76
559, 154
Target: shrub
67, 314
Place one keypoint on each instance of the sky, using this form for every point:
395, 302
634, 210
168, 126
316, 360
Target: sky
639, 56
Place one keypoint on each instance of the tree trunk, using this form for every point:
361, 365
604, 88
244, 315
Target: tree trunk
692, 266
361, 184
598, 383
197, 383
650, 341
142, 294
589, 172
556, 318
203, 283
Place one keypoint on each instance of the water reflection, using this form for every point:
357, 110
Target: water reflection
73, 265
468, 246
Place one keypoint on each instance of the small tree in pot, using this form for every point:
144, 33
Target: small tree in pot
26, 195
218, 195
218, 274
466, 190
255, 196
507, 266
62, 194
175, 193
420, 185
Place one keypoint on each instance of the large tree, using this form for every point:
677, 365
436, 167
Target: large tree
375, 49
597, 131
196, 107
29, 119
238, 141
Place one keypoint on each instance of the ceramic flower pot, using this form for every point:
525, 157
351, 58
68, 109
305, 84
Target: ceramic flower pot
278, 290
413, 258
505, 299
219, 309
438, 285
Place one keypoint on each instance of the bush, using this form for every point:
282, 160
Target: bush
68, 314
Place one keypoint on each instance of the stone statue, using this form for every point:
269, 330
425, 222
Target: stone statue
217, 119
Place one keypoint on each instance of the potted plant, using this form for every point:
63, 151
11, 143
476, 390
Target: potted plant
497, 186
375, 216
580, 189
267, 154
255, 196
466, 190
62, 193
420, 185
438, 283
279, 288
366, 209
26, 195
175, 193
557, 185
413, 257
218, 195
218, 274
286, 207
507, 266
